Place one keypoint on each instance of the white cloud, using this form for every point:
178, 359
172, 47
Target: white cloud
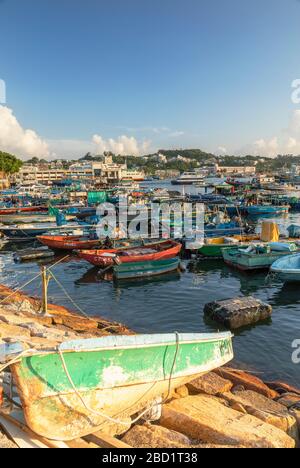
176, 134
288, 142
15, 139
123, 145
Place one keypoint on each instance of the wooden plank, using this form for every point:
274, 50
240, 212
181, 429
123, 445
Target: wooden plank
81, 444
17, 418
106, 441
21, 438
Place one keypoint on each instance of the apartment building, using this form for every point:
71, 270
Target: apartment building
105, 171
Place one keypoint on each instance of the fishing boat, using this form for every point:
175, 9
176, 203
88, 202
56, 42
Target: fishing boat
145, 269
213, 246
30, 218
257, 257
69, 242
24, 209
287, 269
146, 253
31, 231
265, 210
81, 386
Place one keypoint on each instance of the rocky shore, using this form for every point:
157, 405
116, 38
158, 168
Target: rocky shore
226, 408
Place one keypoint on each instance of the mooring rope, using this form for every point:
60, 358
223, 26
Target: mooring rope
33, 279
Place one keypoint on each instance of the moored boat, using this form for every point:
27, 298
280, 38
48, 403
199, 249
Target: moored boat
31, 231
265, 210
145, 269
69, 242
213, 246
259, 257
157, 251
82, 386
287, 269
24, 209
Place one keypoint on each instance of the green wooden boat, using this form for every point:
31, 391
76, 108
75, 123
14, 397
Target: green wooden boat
213, 247
73, 390
145, 269
247, 261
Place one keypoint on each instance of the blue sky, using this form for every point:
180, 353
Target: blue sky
141, 75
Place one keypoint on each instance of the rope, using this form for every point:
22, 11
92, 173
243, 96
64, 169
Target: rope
70, 298
105, 416
16, 359
33, 279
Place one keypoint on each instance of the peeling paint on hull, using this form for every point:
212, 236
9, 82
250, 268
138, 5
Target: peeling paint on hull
118, 382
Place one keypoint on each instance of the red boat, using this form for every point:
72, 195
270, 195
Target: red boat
24, 209
68, 242
150, 252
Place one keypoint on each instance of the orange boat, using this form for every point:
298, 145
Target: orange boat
151, 252
68, 242
24, 209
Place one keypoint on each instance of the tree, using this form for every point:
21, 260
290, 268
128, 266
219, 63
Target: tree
9, 163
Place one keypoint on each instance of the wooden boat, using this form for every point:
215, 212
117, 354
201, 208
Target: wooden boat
72, 390
213, 246
24, 209
145, 269
30, 218
31, 231
265, 210
32, 254
288, 268
261, 258
146, 253
68, 242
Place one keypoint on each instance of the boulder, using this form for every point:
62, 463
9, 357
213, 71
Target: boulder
292, 402
238, 312
211, 384
281, 387
289, 400
180, 392
207, 419
265, 409
151, 436
247, 381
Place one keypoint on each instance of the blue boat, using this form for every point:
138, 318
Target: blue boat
31, 231
265, 210
288, 268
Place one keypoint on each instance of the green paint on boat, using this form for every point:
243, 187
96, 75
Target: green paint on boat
116, 376
145, 269
107, 368
215, 250
251, 261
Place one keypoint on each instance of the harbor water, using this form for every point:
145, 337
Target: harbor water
175, 303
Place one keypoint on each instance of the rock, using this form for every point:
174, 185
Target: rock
292, 403
150, 436
78, 324
265, 409
205, 418
289, 399
5, 442
281, 387
182, 391
247, 381
211, 384
239, 312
